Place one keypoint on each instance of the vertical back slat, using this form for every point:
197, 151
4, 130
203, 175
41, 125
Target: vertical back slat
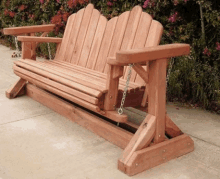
66, 37
99, 65
118, 35
153, 39
96, 44
89, 38
82, 34
141, 38
73, 35
131, 28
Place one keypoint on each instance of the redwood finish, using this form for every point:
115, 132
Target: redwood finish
86, 80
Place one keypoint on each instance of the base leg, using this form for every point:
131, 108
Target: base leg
16, 89
150, 157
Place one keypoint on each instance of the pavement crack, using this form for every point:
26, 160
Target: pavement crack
26, 118
203, 140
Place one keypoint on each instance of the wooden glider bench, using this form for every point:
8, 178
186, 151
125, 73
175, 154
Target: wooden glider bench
86, 80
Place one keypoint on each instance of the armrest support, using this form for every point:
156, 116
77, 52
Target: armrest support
39, 39
28, 29
124, 58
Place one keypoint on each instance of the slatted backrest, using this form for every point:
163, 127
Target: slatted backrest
89, 38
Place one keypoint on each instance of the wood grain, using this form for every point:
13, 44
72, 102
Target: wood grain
66, 38
83, 29
56, 85
82, 61
157, 96
96, 43
118, 36
149, 54
60, 79
71, 40
100, 63
28, 29
60, 93
39, 39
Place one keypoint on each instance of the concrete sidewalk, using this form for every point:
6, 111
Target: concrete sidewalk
37, 143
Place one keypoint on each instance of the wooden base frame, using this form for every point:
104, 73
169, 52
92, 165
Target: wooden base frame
141, 152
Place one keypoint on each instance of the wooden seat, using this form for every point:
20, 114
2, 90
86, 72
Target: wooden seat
94, 62
78, 82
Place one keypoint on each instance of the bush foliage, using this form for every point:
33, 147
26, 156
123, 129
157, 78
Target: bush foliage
194, 78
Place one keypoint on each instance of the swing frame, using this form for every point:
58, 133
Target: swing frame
157, 139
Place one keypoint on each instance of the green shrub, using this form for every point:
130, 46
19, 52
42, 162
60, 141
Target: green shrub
194, 78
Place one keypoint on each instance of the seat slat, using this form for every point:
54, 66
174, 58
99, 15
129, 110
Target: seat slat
89, 38
76, 51
84, 79
78, 76
81, 76
102, 78
68, 74
60, 78
60, 93
93, 73
57, 85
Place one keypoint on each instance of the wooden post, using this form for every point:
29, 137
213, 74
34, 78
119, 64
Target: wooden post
33, 49
157, 96
28, 49
115, 72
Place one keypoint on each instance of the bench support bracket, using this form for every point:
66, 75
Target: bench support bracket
17, 89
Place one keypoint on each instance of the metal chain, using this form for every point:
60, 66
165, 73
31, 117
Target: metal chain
17, 53
169, 70
49, 50
120, 110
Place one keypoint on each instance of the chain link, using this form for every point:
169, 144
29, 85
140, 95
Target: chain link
169, 70
120, 110
49, 50
17, 53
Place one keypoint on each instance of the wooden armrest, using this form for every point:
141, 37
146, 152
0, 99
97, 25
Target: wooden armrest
28, 29
39, 39
124, 58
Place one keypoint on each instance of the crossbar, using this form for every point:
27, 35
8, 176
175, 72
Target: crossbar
108, 131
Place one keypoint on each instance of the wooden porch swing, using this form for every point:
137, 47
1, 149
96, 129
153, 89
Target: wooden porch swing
86, 81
